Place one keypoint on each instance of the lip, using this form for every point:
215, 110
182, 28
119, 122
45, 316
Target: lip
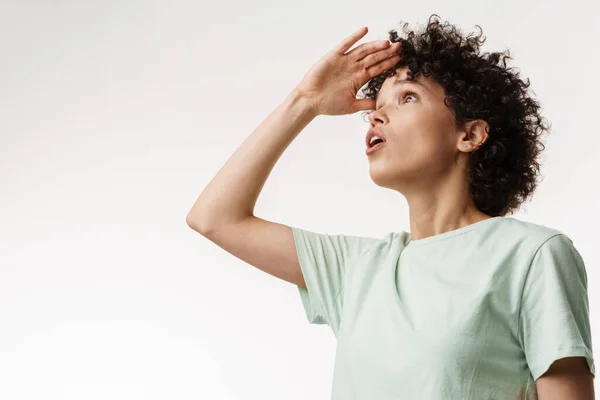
373, 132
370, 150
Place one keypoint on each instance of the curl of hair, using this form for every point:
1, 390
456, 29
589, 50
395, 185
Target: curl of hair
504, 171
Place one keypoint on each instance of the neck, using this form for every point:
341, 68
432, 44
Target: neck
441, 207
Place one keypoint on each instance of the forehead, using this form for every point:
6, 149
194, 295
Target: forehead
427, 84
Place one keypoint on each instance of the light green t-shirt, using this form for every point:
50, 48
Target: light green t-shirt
479, 312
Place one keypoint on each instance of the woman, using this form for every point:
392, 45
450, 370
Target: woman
472, 303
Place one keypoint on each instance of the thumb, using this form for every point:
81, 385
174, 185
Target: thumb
363, 104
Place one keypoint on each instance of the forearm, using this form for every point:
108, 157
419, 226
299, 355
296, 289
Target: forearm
231, 195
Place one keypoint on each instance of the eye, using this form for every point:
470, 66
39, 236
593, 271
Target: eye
408, 94
404, 96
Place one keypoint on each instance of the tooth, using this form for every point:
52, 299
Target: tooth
373, 139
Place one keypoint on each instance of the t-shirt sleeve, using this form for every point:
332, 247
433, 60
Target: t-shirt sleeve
324, 260
554, 314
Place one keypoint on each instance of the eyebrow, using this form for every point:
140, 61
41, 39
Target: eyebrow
399, 81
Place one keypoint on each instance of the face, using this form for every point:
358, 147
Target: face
421, 138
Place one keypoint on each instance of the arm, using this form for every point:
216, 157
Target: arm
329, 88
231, 195
224, 211
567, 378
554, 327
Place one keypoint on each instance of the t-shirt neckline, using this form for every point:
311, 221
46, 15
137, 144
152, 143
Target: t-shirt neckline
458, 231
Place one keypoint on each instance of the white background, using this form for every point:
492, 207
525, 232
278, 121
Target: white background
114, 115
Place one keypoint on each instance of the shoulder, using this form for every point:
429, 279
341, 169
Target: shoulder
528, 235
528, 228
541, 249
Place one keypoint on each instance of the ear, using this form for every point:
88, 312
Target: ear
475, 134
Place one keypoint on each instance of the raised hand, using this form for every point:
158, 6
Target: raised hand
332, 83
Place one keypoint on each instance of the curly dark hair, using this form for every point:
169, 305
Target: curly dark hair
503, 172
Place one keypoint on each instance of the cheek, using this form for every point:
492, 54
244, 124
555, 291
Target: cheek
423, 137
421, 144
435, 136
423, 150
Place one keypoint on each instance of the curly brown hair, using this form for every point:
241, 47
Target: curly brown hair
503, 173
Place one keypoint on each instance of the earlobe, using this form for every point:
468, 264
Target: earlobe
473, 147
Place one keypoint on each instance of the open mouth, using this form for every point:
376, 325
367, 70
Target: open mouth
375, 146
375, 141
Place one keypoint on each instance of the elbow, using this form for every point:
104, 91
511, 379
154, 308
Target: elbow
197, 224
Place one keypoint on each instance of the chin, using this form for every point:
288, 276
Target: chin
382, 177
392, 178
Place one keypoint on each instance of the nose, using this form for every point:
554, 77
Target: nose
375, 117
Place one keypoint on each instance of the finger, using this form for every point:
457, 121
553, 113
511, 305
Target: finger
384, 65
350, 40
365, 49
363, 104
380, 55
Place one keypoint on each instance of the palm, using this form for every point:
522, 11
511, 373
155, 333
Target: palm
332, 83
